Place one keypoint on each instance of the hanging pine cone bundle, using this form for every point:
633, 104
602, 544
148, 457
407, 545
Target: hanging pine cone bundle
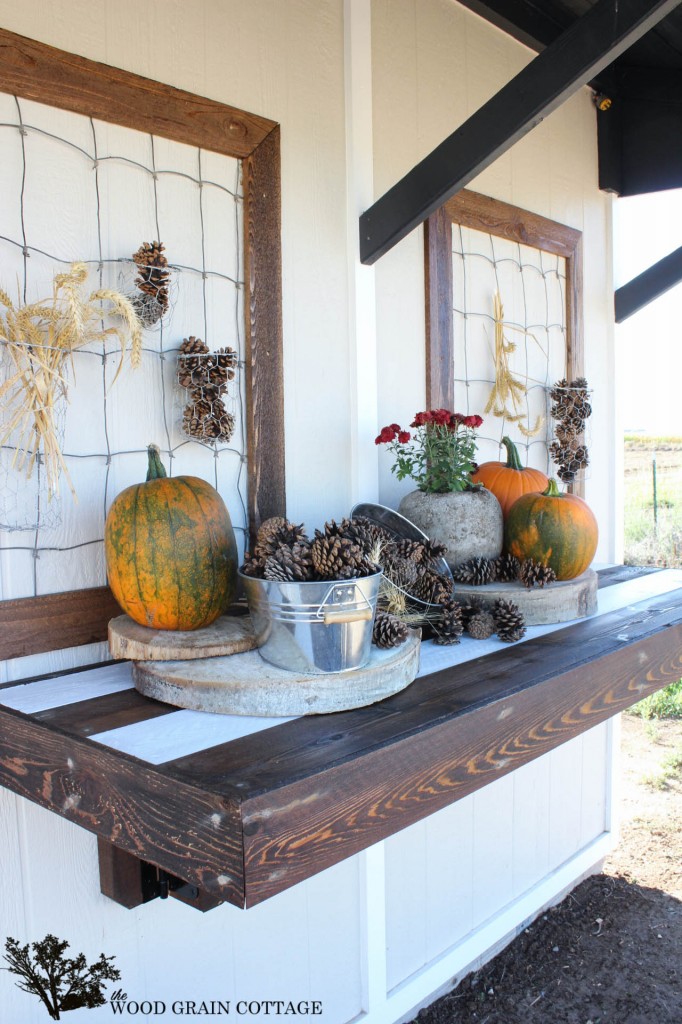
570, 408
152, 281
450, 627
535, 574
389, 630
481, 626
476, 572
509, 622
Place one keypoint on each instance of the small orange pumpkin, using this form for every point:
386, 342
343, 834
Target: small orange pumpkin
559, 530
509, 480
170, 550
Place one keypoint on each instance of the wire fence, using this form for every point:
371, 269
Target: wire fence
510, 340
75, 189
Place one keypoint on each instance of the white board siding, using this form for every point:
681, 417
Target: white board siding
448, 875
433, 64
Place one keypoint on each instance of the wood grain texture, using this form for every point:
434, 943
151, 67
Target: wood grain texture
227, 635
190, 833
440, 359
123, 877
264, 351
52, 622
246, 819
101, 714
492, 216
348, 807
61, 79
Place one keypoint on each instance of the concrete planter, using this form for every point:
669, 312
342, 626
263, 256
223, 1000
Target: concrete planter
468, 523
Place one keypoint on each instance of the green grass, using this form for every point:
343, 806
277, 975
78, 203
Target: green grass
653, 540
670, 769
665, 703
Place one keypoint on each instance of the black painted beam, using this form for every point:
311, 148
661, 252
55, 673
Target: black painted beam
648, 285
580, 53
534, 24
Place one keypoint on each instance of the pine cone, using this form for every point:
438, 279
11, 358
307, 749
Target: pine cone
275, 532
481, 626
472, 607
476, 572
193, 346
534, 573
371, 537
295, 562
432, 587
253, 566
338, 558
152, 281
508, 621
389, 630
507, 567
450, 627
580, 383
276, 569
401, 571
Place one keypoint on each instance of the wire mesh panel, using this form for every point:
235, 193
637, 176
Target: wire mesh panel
73, 189
510, 339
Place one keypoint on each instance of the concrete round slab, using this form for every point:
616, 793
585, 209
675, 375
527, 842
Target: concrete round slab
230, 634
245, 684
556, 602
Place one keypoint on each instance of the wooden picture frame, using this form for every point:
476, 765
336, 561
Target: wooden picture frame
35, 71
481, 213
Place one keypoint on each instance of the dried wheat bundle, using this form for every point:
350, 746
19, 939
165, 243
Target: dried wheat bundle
508, 391
39, 340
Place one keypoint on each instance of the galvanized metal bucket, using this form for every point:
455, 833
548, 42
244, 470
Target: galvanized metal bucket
313, 627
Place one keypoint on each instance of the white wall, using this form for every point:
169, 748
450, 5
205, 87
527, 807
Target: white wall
433, 63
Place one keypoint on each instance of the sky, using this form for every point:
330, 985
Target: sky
649, 343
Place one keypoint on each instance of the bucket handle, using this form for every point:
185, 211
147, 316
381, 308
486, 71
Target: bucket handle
332, 616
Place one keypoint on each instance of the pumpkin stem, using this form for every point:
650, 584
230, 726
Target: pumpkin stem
552, 490
513, 460
155, 469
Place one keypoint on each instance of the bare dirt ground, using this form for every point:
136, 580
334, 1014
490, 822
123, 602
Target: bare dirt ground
611, 951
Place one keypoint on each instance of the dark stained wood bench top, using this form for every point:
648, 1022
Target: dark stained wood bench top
244, 808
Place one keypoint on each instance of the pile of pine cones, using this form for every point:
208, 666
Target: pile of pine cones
507, 568
359, 547
152, 282
205, 376
285, 553
570, 408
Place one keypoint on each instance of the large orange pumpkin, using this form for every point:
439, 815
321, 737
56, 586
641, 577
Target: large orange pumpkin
559, 530
170, 550
509, 480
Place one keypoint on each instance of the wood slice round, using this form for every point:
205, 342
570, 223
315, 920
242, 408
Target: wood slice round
245, 684
230, 634
556, 602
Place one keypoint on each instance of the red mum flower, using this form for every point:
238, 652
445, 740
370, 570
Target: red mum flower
404, 436
387, 435
455, 419
421, 419
441, 417
472, 421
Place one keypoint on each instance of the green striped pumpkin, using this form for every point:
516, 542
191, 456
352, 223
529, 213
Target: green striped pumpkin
559, 530
170, 551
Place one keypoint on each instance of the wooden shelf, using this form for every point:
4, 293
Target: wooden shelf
244, 808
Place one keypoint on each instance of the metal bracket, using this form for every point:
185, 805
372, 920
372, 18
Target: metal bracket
130, 881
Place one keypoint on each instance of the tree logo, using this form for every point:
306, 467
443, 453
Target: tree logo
60, 982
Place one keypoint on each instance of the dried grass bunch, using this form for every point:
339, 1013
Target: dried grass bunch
40, 339
508, 394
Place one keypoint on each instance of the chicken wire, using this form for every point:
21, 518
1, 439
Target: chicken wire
530, 284
76, 189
